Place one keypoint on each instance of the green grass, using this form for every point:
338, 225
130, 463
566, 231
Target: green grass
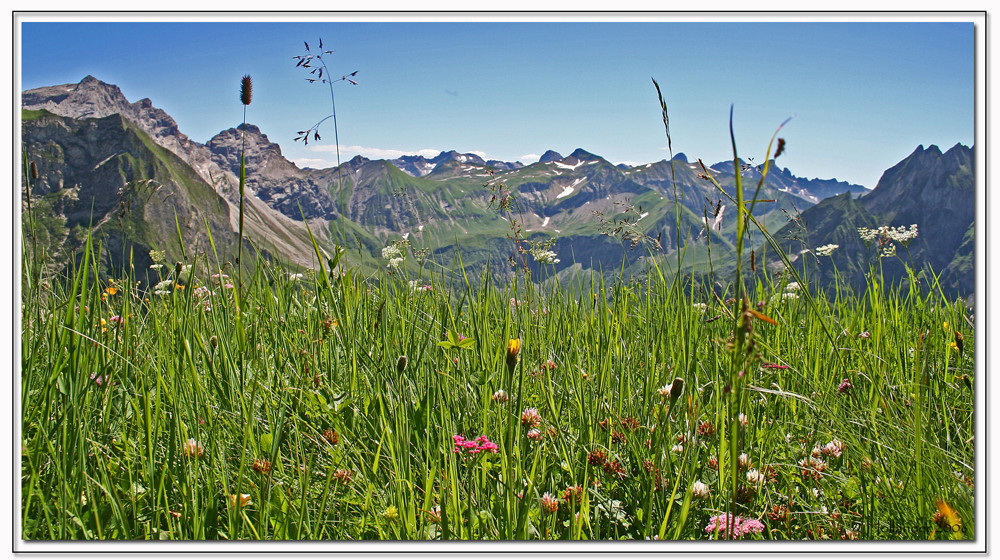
108, 461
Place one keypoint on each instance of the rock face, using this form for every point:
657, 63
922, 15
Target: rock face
277, 182
94, 99
106, 175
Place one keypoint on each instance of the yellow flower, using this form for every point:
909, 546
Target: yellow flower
111, 290
242, 500
391, 513
513, 349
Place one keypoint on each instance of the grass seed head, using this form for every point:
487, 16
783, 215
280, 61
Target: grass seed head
246, 90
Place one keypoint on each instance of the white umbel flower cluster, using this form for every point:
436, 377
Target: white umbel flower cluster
884, 234
395, 253
826, 250
544, 256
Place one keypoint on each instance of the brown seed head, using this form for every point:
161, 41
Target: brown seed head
597, 457
331, 436
246, 90
676, 388
34, 171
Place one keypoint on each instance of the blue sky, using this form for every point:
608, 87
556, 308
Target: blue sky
862, 94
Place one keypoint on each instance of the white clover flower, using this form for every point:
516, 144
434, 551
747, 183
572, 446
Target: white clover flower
755, 477
834, 448
699, 490
743, 460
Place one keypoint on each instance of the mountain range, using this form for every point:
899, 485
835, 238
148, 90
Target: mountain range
126, 171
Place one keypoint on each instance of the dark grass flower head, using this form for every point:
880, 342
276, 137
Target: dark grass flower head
246, 90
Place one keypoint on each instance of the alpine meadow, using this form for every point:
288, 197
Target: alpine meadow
218, 344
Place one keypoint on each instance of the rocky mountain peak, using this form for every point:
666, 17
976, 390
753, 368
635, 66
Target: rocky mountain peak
580, 153
550, 155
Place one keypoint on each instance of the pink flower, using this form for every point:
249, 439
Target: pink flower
531, 418
549, 503
844, 387
192, 448
728, 526
535, 434
473, 446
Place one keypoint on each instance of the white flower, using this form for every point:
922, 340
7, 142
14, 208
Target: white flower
295, 277
416, 286
835, 448
826, 250
792, 287
395, 262
390, 252
755, 477
677, 448
888, 251
543, 256
701, 307
903, 236
163, 287
699, 489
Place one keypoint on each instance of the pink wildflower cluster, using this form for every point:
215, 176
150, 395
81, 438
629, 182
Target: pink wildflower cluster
222, 279
737, 528
203, 297
844, 387
117, 320
478, 445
